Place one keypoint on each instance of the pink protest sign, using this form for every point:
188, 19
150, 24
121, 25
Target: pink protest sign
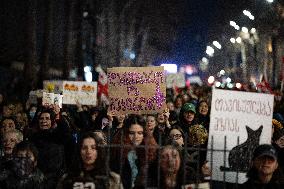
137, 90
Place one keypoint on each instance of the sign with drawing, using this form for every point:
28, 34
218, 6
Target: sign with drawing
83, 92
239, 121
137, 90
51, 98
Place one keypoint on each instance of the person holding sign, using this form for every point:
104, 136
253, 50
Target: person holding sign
264, 172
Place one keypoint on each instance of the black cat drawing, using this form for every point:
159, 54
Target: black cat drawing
240, 156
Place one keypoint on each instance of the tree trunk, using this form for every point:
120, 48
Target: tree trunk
68, 48
44, 63
29, 80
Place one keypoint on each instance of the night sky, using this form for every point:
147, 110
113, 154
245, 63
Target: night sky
202, 20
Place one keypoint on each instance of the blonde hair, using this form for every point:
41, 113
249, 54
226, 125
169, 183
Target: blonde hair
19, 135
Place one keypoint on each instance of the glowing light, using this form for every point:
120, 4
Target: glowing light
270, 1
217, 44
233, 40
234, 24
228, 80
209, 50
230, 85
238, 85
211, 79
245, 29
87, 69
88, 76
205, 60
239, 40
170, 68
248, 14
132, 56
253, 30
222, 72
217, 84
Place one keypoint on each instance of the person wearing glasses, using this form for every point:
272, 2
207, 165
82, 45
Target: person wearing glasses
264, 172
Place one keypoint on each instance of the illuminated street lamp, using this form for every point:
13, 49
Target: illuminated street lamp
248, 14
209, 51
239, 40
233, 40
217, 44
245, 29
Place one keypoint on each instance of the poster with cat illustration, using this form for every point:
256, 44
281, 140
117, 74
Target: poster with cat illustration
239, 122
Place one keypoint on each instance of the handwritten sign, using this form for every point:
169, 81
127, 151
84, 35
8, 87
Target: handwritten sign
53, 86
83, 92
51, 98
177, 79
237, 115
136, 90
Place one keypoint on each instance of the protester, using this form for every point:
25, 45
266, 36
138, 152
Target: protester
187, 116
51, 159
135, 152
23, 172
264, 172
89, 168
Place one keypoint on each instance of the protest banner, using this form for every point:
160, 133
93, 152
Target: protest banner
239, 122
51, 98
204, 185
137, 90
53, 86
82, 92
177, 80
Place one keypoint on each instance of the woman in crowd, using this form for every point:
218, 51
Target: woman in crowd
51, 153
89, 168
203, 114
151, 123
23, 172
7, 124
135, 152
10, 140
170, 172
162, 127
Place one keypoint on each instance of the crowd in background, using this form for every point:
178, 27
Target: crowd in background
81, 146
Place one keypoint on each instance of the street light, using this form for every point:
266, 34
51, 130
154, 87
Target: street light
233, 40
269, 1
217, 44
248, 14
209, 50
245, 29
239, 40
234, 24
253, 30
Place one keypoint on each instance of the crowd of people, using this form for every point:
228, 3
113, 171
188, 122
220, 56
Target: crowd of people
81, 146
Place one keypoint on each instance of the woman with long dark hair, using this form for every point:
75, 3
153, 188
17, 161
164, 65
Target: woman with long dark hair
134, 150
90, 167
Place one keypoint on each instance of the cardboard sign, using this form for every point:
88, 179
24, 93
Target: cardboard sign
244, 119
177, 80
137, 90
204, 185
51, 98
82, 92
53, 86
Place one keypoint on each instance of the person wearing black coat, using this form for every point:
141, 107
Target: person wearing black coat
264, 173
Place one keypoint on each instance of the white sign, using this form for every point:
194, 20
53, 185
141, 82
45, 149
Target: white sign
177, 79
84, 93
204, 185
51, 98
244, 119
